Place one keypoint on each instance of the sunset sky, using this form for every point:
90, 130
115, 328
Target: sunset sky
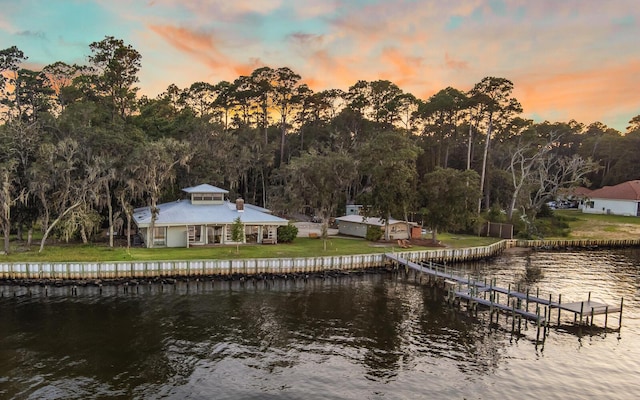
570, 59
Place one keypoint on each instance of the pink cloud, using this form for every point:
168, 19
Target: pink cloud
315, 9
451, 63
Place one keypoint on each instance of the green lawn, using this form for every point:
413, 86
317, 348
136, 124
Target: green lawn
582, 226
600, 226
458, 241
301, 247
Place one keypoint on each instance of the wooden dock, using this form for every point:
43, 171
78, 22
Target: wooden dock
517, 303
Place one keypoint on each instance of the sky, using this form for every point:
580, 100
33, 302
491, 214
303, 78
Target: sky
569, 59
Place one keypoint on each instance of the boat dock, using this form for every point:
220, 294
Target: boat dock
515, 303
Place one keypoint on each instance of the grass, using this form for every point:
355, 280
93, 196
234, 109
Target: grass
459, 241
301, 247
582, 226
600, 226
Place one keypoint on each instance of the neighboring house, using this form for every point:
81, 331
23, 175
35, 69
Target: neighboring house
622, 199
206, 217
356, 225
354, 209
574, 197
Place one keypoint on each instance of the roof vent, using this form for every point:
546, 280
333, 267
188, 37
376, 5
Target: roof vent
239, 205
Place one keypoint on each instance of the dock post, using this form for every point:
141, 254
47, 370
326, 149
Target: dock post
559, 304
548, 311
527, 306
490, 307
485, 285
620, 318
538, 324
592, 316
581, 311
606, 316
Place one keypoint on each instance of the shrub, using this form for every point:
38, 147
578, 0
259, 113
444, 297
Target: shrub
545, 212
374, 233
286, 234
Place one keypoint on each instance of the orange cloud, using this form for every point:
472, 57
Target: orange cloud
452, 63
198, 44
404, 66
585, 96
245, 69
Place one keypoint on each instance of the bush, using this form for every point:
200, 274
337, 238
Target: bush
286, 234
497, 214
545, 212
552, 227
374, 233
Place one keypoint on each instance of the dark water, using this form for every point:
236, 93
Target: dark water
371, 336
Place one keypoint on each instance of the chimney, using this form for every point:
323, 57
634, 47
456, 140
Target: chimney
239, 205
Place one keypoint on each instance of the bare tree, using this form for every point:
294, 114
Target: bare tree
553, 173
526, 157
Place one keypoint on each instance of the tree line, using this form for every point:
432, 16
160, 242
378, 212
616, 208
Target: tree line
80, 148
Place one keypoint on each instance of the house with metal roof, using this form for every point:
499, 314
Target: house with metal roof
621, 199
206, 217
356, 225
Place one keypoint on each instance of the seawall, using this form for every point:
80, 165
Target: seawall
195, 268
279, 266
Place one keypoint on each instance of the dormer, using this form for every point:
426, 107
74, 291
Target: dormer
206, 194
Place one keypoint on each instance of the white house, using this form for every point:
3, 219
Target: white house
356, 225
621, 199
206, 217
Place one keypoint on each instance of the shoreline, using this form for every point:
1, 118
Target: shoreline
196, 269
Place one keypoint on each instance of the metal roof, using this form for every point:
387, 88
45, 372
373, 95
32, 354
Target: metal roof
204, 188
370, 220
182, 212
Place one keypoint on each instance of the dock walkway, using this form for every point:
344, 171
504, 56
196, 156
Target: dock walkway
465, 288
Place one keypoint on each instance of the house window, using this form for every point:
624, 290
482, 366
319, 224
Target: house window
160, 236
589, 204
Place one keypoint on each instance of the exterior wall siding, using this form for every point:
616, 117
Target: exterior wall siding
397, 231
176, 236
352, 229
608, 206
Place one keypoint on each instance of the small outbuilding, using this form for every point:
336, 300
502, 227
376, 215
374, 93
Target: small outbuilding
206, 217
356, 225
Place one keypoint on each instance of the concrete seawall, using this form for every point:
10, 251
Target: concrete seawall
194, 268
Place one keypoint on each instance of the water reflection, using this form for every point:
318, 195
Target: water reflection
357, 336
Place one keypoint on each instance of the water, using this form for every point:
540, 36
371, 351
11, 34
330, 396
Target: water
365, 336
